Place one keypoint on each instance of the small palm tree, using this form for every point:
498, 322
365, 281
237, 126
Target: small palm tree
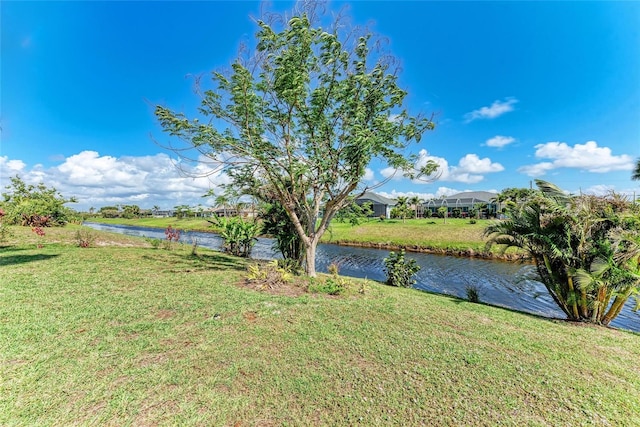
586, 249
402, 207
416, 202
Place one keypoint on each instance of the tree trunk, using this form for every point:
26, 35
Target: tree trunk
616, 306
310, 258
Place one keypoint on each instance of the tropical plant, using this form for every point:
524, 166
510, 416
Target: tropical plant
239, 236
401, 209
416, 202
400, 271
277, 223
304, 115
586, 249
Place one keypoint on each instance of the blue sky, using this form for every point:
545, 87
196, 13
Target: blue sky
521, 90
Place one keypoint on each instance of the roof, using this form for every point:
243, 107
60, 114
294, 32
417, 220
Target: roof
480, 196
466, 198
376, 198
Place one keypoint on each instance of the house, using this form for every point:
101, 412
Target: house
380, 205
464, 202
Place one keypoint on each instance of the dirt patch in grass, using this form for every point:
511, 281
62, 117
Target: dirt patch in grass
165, 314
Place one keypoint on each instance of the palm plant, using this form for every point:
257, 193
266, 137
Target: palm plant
415, 201
402, 207
585, 249
636, 171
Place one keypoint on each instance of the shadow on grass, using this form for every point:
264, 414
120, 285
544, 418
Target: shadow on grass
219, 262
190, 262
22, 259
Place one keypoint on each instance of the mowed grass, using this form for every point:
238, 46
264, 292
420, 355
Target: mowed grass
431, 233
123, 334
188, 224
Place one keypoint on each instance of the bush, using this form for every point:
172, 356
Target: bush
35, 205
473, 294
155, 243
332, 286
399, 271
269, 275
173, 236
85, 238
5, 232
239, 236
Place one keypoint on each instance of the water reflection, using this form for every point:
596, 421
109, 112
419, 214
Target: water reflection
503, 284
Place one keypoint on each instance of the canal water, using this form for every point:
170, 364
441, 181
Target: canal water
506, 284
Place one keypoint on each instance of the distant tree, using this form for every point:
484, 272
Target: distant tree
354, 213
183, 211
155, 209
416, 202
109, 212
477, 209
304, 115
636, 171
130, 211
29, 205
401, 209
225, 201
442, 212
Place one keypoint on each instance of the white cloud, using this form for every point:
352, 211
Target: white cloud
500, 141
369, 175
11, 167
97, 180
588, 157
496, 109
538, 169
470, 168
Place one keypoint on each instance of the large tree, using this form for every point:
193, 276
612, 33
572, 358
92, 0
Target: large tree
586, 249
302, 117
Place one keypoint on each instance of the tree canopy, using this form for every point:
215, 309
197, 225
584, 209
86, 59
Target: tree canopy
301, 118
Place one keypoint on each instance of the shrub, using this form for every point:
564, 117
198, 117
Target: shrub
5, 232
155, 243
173, 235
472, 221
85, 238
239, 236
269, 275
332, 286
400, 271
473, 294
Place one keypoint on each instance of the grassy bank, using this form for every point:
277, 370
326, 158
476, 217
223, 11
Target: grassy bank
454, 237
189, 224
123, 334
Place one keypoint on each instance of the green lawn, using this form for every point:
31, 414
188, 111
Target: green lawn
123, 334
